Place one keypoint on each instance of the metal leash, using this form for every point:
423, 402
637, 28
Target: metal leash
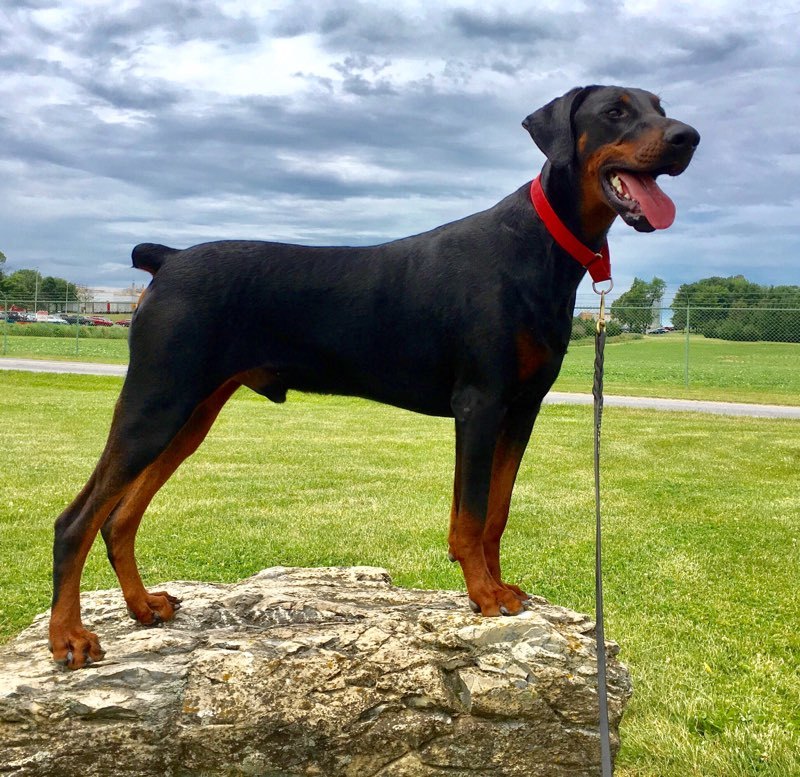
597, 392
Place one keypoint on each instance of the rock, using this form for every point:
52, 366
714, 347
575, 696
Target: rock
330, 672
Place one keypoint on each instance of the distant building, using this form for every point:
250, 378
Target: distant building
91, 301
105, 299
593, 315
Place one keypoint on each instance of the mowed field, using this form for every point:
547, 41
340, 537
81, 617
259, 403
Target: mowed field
701, 513
722, 370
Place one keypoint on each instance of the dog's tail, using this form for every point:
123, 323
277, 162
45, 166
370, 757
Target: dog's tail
150, 256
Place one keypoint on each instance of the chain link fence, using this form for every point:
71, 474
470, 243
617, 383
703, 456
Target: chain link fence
690, 339
65, 324
744, 324
39, 305
718, 348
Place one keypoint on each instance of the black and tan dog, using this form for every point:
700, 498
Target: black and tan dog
470, 320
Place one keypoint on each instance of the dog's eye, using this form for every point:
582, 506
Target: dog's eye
615, 113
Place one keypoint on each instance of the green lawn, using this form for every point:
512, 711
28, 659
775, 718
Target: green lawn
702, 558
85, 349
718, 369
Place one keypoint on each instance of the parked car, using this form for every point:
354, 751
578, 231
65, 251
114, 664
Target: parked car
100, 321
82, 320
657, 331
52, 320
13, 317
123, 322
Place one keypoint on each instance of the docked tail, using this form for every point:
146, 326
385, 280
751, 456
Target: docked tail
150, 256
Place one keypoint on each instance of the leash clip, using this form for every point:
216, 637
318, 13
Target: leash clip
601, 316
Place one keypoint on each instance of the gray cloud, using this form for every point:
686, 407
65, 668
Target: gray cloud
395, 118
502, 27
114, 31
352, 26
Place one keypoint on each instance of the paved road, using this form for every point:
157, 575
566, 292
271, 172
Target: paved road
691, 405
78, 368
554, 397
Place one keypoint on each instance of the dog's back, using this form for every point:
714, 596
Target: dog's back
386, 322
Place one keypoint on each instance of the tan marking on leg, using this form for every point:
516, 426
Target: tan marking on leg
466, 544
70, 642
128, 514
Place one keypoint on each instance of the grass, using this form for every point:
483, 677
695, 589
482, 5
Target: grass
112, 350
702, 576
648, 366
721, 370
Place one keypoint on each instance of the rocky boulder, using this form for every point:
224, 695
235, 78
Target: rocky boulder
329, 672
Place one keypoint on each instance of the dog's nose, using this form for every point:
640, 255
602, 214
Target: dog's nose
682, 135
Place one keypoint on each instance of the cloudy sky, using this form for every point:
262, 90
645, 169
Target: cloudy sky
347, 122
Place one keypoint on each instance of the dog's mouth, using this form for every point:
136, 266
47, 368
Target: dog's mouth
638, 199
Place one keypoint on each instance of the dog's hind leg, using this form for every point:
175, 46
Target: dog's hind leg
456, 495
75, 530
119, 529
150, 414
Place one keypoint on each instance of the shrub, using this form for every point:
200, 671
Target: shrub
581, 328
66, 330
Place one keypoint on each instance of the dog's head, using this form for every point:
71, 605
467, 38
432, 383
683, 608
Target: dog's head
617, 141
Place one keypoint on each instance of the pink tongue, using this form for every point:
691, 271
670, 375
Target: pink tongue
657, 208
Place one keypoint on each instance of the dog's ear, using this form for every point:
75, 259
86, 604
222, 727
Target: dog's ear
551, 126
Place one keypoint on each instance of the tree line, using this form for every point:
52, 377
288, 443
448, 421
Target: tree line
730, 308
29, 285
735, 309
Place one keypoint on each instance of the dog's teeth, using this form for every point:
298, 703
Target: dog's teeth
617, 184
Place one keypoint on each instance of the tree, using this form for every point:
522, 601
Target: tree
21, 284
735, 309
84, 293
28, 285
717, 295
57, 290
2, 273
634, 308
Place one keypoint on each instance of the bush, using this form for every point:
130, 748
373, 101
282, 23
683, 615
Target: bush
66, 330
738, 330
581, 328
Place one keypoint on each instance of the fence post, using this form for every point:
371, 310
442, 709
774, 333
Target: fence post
5, 326
77, 329
686, 350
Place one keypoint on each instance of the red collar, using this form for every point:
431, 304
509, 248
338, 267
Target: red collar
597, 263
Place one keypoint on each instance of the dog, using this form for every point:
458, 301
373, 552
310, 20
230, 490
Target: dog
470, 320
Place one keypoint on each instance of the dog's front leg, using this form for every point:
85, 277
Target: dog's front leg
478, 425
511, 444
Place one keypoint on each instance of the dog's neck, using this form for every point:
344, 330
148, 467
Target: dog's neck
594, 258
560, 185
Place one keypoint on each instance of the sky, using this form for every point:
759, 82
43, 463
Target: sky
352, 123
